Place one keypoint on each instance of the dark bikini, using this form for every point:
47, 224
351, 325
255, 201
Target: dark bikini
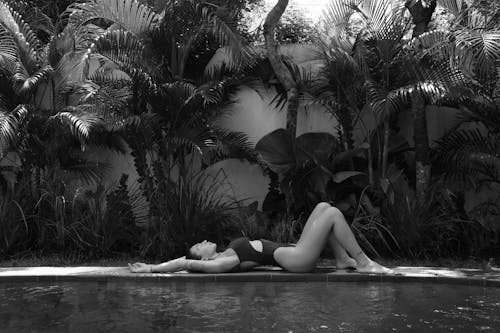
246, 252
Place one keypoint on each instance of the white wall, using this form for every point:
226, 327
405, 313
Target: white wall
254, 115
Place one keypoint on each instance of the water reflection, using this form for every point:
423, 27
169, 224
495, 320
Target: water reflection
246, 307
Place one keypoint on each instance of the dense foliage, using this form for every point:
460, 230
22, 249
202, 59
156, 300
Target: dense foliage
136, 78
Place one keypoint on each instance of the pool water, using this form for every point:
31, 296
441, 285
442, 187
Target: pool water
141, 306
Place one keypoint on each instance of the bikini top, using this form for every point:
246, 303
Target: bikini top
246, 252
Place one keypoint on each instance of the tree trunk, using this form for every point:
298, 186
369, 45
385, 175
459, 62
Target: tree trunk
421, 13
422, 151
282, 73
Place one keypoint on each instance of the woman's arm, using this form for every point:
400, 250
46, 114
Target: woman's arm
206, 266
166, 267
219, 265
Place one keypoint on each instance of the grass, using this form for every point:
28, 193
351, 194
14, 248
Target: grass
56, 260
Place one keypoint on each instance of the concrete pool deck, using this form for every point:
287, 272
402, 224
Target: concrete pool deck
464, 276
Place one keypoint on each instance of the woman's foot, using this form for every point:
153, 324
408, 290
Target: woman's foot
373, 267
345, 263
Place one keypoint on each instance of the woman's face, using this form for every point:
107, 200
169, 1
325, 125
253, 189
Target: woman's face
204, 250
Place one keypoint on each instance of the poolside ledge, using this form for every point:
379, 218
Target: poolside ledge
261, 274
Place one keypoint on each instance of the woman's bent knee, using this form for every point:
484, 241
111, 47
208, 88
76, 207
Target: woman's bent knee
322, 206
333, 212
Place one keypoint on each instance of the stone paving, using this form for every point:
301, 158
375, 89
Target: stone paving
490, 278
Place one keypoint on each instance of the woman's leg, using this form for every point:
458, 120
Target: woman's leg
342, 259
304, 255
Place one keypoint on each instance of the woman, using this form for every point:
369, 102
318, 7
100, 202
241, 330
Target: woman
326, 223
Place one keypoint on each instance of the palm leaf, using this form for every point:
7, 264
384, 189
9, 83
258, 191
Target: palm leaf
121, 47
387, 102
8, 129
80, 122
130, 15
9, 123
91, 172
213, 93
336, 18
125, 50
384, 17
239, 53
226, 144
38, 21
468, 154
8, 51
485, 46
24, 84
455, 7
27, 42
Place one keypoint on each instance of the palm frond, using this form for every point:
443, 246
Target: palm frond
468, 154
10, 122
72, 67
121, 47
212, 93
226, 144
217, 71
387, 102
384, 17
185, 144
80, 122
127, 14
336, 18
27, 42
439, 44
39, 22
8, 51
90, 172
8, 129
240, 54
134, 123
485, 46
25, 85
125, 50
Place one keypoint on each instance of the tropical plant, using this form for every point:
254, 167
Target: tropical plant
168, 106
382, 51
187, 208
310, 167
106, 221
14, 219
437, 228
340, 90
173, 114
468, 155
39, 123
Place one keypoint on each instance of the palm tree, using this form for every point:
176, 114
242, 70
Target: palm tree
283, 74
399, 73
474, 39
471, 155
39, 72
171, 109
421, 12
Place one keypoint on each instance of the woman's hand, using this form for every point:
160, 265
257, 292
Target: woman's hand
140, 267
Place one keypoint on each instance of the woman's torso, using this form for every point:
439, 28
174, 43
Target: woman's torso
252, 253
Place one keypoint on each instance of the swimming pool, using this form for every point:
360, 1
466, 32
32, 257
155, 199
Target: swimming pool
145, 306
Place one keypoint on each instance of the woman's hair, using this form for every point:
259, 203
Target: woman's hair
190, 255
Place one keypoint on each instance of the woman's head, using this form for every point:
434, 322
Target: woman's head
202, 251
